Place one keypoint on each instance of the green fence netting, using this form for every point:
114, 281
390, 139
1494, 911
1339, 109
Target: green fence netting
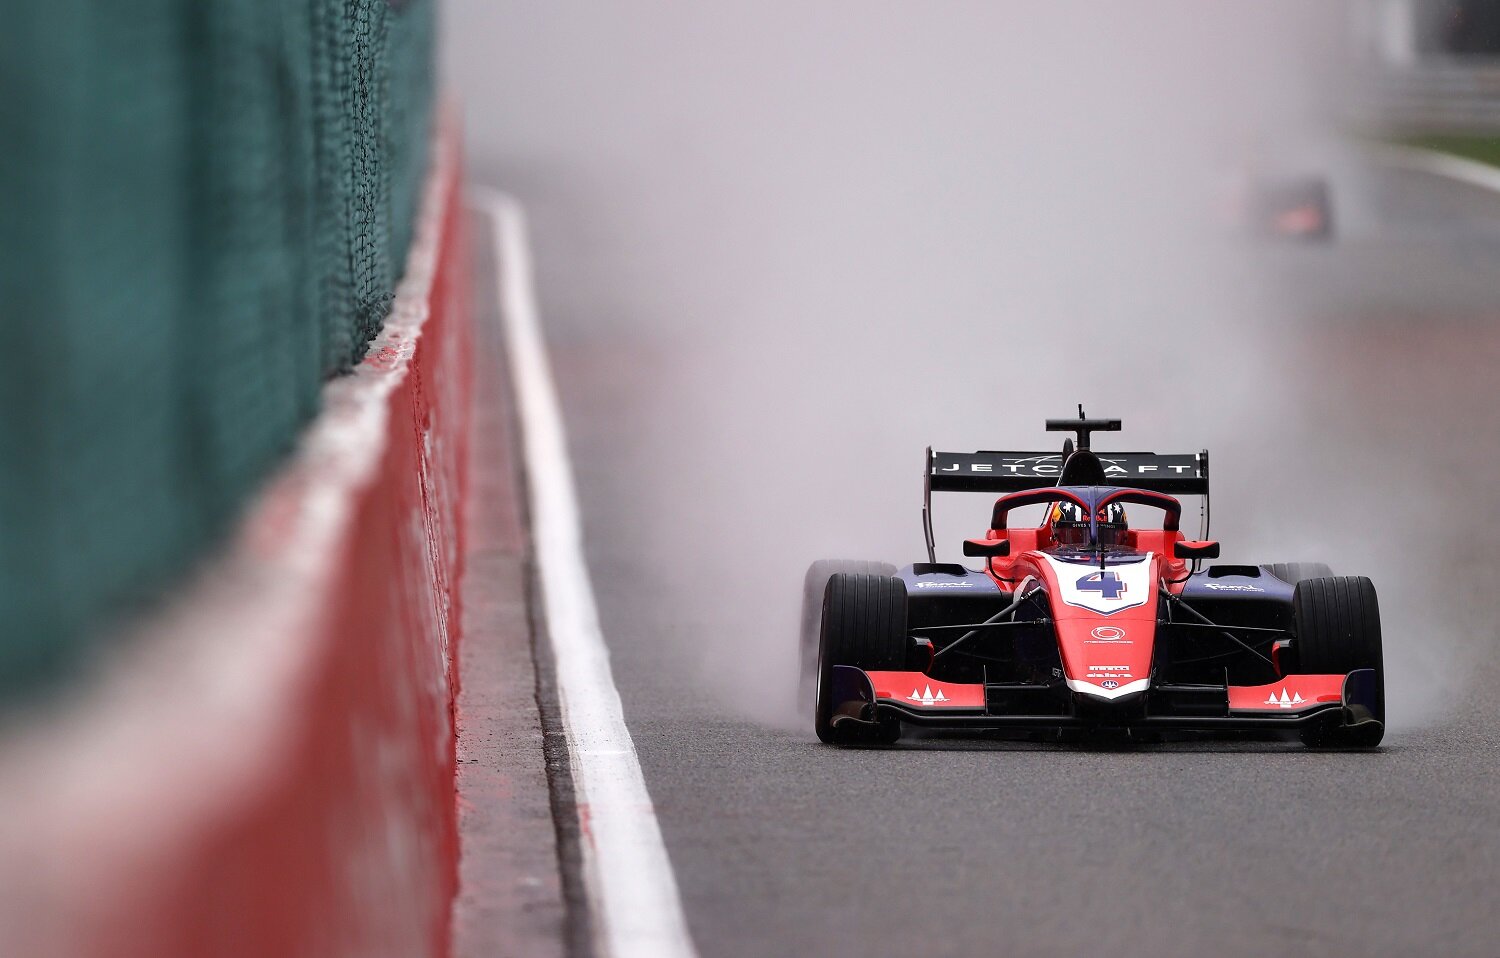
207, 204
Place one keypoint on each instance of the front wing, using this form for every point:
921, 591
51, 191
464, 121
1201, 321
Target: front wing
1293, 703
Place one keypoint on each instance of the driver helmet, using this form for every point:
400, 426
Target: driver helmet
1112, 525
1068, 524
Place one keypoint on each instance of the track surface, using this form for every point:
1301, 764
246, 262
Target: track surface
783, 846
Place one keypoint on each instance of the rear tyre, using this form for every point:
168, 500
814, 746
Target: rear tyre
1294, 572
864, 625
813, 586
1337, 621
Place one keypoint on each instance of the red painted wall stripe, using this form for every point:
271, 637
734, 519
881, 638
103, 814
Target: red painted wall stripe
292, 793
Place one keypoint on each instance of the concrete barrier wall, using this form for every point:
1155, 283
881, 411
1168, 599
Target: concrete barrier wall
266, 767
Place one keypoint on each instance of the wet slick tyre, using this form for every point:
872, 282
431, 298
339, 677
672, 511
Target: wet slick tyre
864, 625
1338, 630
1294, 572
814, 584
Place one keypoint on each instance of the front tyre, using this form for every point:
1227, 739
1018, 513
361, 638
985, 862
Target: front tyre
1337, 621
863, 625
814, 584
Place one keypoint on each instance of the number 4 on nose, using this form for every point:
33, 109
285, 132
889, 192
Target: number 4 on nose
1107, 584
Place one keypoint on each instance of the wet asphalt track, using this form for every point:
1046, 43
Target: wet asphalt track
947, 847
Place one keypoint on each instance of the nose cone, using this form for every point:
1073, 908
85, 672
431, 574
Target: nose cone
1105, 622
1108, 690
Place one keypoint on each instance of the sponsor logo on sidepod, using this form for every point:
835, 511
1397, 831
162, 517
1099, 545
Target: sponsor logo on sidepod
1232, 587
945, 585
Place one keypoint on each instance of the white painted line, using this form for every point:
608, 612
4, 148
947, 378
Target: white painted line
1446, 165
636, 911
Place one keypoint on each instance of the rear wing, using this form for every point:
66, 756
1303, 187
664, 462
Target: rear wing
987, 471
990, 471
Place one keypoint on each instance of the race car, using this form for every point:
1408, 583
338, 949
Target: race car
1095, 623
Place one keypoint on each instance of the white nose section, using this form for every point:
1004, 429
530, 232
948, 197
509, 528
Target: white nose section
1121, 586
1089, 688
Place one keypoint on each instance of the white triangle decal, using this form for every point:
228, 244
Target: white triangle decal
1285, 702
940, 696
915, 696
1271, 700
1297, 699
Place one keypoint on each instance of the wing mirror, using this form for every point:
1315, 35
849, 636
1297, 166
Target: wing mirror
1188, 549
990, 548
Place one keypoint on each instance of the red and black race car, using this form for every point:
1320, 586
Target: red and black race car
1093, 623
